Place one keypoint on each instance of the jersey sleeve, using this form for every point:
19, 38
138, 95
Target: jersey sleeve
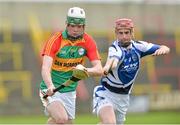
52, 45
146, 48
92, 50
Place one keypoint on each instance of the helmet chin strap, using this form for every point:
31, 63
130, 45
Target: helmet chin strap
72, 38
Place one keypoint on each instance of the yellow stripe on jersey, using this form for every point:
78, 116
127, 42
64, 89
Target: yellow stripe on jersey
60, 64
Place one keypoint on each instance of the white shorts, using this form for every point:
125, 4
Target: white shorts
67, 99
103, 97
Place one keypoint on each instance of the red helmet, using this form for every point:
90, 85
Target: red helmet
124, 23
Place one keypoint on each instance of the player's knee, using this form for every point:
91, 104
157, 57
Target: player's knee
51, 121
120, 119
108, 121
61, 120
120, 122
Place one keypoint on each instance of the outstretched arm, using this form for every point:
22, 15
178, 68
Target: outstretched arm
163, 50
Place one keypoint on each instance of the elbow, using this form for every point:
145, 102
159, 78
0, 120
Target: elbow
100, 71
44, 71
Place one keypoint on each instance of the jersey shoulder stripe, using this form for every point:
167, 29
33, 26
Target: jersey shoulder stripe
52, 45
51, 41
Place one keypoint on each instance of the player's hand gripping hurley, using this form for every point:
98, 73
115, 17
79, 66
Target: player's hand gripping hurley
110, 65
79, 73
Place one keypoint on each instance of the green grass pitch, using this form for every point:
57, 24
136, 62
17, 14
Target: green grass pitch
140, 118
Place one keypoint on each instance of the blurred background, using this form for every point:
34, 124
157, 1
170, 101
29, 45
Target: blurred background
26, 24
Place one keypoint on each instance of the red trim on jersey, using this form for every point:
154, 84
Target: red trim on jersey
52, 45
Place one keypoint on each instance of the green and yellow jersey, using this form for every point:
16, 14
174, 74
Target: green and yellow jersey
66, 55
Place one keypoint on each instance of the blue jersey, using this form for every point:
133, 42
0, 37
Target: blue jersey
121, 79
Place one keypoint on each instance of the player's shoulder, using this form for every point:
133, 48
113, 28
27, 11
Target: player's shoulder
89, 41
142, 45
115, 46
57, 33
139, 43
86, 36
54, 37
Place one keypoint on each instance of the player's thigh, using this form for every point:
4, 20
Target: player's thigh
57, 110
68, 101
101, 98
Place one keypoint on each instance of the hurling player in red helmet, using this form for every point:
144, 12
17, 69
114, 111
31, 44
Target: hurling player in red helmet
111, 97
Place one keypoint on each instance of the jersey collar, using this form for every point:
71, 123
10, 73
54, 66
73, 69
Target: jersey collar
65, 36
119, 44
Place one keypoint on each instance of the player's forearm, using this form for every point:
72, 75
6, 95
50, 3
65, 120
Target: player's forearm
111, 63
46, 70
96, 70
107, 66
161, 51
46, 75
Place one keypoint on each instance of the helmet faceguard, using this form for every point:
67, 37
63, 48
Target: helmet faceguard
74, 21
